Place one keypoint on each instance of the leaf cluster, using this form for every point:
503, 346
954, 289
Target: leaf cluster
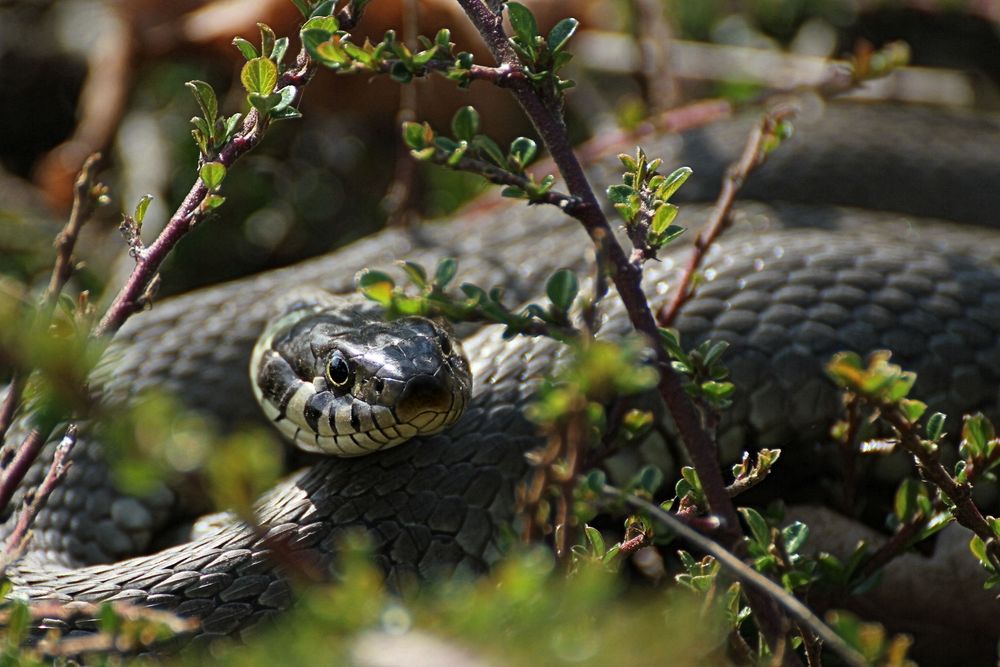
643, 201
469, 150
542, 56
332, 47
705, 376
476, 304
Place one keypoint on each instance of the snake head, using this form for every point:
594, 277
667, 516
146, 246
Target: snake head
337, 379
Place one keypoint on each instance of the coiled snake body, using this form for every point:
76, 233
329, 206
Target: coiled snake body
788, 286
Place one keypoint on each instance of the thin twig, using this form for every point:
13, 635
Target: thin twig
62, 269
191, 211
57, 470
750, 577
894, 547
754, 154
83, 205
498, 176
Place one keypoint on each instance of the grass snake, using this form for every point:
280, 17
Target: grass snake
796, 279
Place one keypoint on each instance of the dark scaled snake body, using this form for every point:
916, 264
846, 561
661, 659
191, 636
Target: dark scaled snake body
796, 280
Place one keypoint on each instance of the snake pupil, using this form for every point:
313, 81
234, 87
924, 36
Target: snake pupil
338, 373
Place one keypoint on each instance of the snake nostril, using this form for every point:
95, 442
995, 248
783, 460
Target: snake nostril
422, 394
379, 385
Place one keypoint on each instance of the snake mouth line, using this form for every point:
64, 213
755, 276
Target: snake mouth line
359, 443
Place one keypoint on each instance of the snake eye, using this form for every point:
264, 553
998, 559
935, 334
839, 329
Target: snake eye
338, 372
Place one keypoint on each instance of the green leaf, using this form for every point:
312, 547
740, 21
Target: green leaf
205, 97
562, 288
715, 352
465, 123
377, 286
671, 341
229, 127
423, 155
935, 425
595, 539
200, 139
400, 72
302, 6
794, 535
489, 148
445, 272
358, 53
561, 34
423, 57
279, 50
523, 22
324, 8
264, 103
259, 75
718, 391
202, 126
758, 526
417, 135
212, 173
978, 549
900, 387
416, 273
977, 431
474, 292
325, 23
906, 504
662, 218
619, 194
17, 624
285, 98
140, 209
913, 409
457, 154
674, 181
213, 201
523, 151
649, 479
267, 40
246, 48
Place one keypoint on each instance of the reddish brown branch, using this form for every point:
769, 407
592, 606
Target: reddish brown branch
754, 154
25, 455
